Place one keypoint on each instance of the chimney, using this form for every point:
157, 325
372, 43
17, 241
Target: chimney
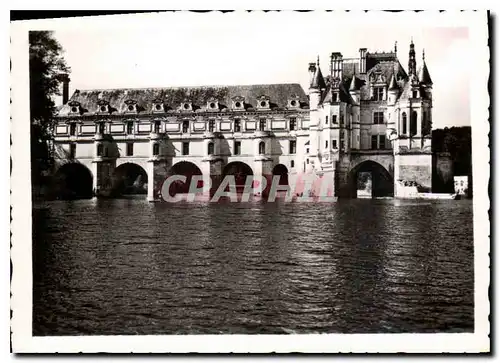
336, 65
65, 87
362, 60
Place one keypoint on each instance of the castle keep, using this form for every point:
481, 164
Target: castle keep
363, 114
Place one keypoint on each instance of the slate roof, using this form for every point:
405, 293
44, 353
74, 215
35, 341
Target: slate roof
173, 97
424, 76
318, 81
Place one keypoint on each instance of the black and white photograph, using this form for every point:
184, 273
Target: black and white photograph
251, 182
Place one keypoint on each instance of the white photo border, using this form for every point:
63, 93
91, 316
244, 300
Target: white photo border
21, 226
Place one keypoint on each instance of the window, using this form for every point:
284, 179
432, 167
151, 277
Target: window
405, 126
72, 151
185, 126
293, 146
292, 164
106, 152
307, 161
210, 148
100, 149
374, 142
130, 127
157, 126
156, 149
341, 120
101, 128
72, 129
326, 120
378, 93
262, 125
262, 148
335, 97
415, 94
307, 150
342, 144
237, 125
237, 148
381, 141
378, 118
334, 119
334, 144
185, 148
293, 123
326, 144
130, 149
211, 125
413, 123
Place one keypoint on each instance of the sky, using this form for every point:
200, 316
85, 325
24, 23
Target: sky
186, 49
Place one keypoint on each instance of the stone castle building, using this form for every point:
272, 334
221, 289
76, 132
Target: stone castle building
363, 114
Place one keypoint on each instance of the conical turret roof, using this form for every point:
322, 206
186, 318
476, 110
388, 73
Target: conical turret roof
424, 76
352, 87
318, 81
392, 84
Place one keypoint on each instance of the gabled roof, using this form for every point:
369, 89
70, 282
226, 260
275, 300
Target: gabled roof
173, 97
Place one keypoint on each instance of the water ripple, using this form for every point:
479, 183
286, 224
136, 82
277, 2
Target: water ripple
105, 267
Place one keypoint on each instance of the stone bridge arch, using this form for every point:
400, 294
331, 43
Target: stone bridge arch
381, 183
129, 177
73, 180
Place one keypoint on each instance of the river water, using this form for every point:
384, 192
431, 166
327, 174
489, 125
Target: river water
127, 266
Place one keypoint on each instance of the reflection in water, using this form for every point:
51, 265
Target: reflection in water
132, 267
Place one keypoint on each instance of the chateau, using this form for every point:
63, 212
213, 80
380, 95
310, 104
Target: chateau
362, 114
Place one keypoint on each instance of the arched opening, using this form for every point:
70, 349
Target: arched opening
405, 126
129, 179
73, 181
210, 148
413, 123
187, 169
370, 180
282, 171
240, 171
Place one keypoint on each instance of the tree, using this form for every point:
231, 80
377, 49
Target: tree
46, 68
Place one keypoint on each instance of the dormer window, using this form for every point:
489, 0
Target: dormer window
158, 105
186, 106
103, 106
239, 103
131, 106
293, 101
415, 94
263, 103
74, 107
212, 104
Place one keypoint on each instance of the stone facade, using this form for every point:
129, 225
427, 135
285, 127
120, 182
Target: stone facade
367, 114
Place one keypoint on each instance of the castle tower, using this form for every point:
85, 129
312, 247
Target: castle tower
412, 144
355, 93
316, 88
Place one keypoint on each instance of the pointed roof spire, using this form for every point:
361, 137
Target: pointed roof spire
392, 84
423, 76
318, 81
352, 87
